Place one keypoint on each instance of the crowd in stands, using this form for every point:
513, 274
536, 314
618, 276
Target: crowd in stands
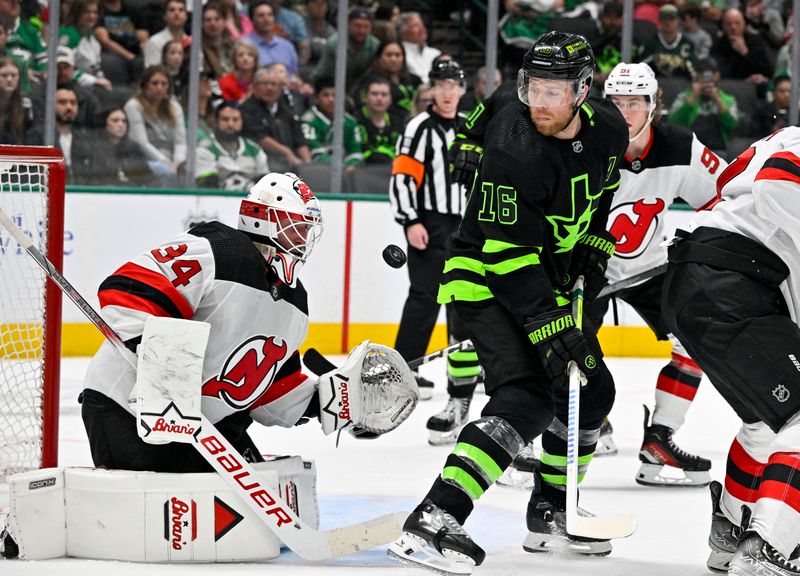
267, 93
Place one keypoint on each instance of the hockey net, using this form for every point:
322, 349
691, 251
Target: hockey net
32, 195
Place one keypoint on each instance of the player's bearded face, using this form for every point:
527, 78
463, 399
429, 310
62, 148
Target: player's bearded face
551, 104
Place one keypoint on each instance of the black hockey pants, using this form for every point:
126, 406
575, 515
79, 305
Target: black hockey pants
722, 300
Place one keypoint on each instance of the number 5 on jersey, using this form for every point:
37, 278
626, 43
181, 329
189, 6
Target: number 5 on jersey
184, 269
499, 204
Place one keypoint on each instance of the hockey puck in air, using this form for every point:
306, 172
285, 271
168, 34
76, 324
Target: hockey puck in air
394, 256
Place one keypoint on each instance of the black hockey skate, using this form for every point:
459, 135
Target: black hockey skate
724, 535
547, 525
425, 387
433, 540
755, 557
605, 444
520, 473
659, 450
8, 547
445, 426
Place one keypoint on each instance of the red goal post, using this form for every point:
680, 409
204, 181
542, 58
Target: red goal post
32, 181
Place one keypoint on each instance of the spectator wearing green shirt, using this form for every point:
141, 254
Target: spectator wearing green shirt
379, 128
24, 37
317, 124
670, 54
78, 34
709, 112
361, 48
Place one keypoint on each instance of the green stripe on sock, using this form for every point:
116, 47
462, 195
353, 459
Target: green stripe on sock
463, 356
481, 458
464, 480
467, 372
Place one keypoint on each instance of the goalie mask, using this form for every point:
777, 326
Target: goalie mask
282, 217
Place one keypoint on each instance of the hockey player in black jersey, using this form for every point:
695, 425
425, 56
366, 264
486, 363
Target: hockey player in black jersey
540, 198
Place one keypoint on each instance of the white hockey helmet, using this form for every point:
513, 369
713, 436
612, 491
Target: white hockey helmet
283, 218
635, 79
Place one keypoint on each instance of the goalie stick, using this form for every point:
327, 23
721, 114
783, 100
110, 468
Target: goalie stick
265, 500
600, 527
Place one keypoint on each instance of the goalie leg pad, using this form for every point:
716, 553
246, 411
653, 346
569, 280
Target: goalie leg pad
150, 517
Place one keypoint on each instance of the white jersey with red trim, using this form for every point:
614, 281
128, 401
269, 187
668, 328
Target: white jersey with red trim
214, 274
761, 200
673, 164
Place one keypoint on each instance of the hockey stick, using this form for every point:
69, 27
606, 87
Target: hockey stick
265, 500
600, 527
606, 291
632, 281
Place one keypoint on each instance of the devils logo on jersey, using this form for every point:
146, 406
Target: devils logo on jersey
634, 225
248, 371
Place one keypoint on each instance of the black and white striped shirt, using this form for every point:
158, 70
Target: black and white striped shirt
421, 174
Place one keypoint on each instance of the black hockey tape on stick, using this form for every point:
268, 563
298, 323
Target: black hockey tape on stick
317, 363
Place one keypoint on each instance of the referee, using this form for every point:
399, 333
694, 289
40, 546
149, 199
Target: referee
428, 204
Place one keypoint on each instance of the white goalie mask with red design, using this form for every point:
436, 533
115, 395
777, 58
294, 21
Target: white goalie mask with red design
282, 217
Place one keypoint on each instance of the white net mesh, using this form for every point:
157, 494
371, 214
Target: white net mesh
24, 198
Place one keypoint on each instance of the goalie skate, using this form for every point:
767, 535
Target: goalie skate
519, 474
547, 526
425, 387
605, 444
659, 450
445, 426
433, 540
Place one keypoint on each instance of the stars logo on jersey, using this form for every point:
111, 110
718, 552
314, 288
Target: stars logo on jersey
577, 146
248, 371
567, 230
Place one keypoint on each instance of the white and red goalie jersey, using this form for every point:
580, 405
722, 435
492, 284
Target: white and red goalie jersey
674, 164
214, 274
761, 200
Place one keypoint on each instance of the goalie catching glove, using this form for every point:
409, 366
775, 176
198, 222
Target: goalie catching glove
371, 394
558, 341
590, 259
464, 158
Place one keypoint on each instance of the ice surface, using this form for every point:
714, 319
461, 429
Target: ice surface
364, 478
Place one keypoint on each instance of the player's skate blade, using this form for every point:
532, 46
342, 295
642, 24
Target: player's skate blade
755, 557
559, 544
651, 475
520, 474
433, 539
414, 551
445, 426
605, 444
425, 387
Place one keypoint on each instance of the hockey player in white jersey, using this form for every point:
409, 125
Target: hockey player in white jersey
732, 297
245, 284
661, 164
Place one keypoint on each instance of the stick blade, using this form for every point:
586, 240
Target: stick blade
602, 527
365, 535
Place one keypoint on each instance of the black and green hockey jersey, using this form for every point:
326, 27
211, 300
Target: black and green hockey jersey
533, 198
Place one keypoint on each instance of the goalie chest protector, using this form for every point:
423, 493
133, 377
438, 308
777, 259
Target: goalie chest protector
214, 274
